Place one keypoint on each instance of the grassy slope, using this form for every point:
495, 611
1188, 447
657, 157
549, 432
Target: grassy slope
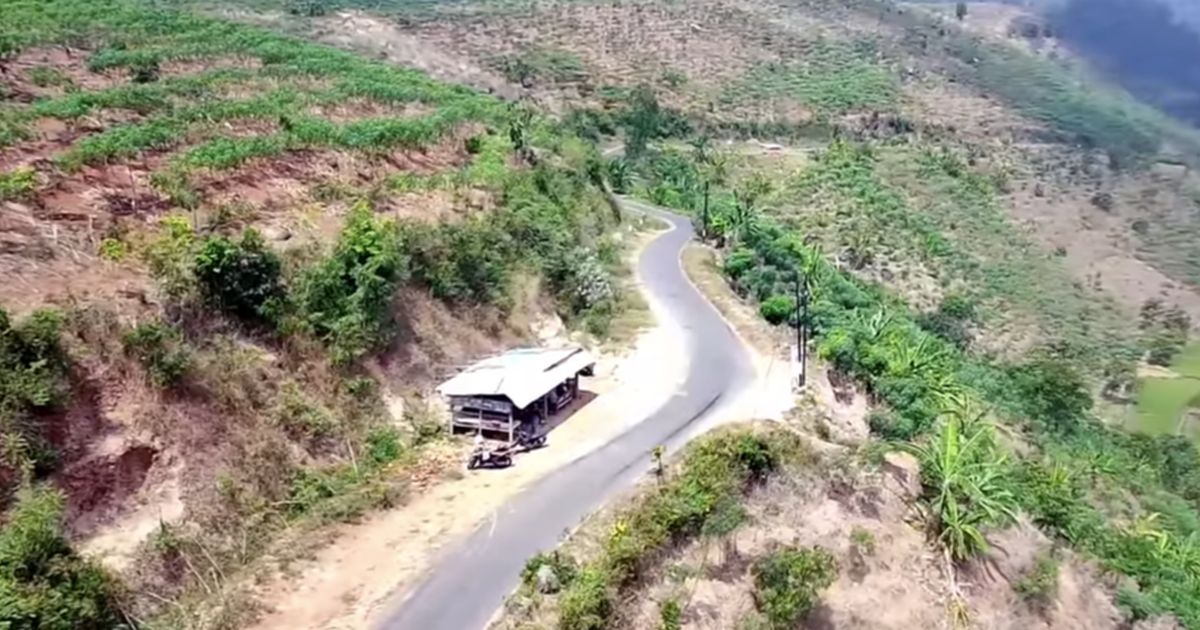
274, 437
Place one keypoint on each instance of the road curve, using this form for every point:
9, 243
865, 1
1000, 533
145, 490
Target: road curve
470, 583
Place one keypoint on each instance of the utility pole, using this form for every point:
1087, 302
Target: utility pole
704, 216
802, 326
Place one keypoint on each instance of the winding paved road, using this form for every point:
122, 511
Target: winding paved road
470, 583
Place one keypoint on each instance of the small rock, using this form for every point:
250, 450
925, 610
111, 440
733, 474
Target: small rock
547, 580
277, 233
906, 470
1169, 171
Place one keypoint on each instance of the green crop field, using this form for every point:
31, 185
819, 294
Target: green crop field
1163, 401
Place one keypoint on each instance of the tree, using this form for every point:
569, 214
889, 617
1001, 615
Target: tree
642, 121
240, 278
1053, 393
345, 298
960, 10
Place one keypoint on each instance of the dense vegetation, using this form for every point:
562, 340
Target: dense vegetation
33, 379
263, 348
1129, 501
700, 499
43, 583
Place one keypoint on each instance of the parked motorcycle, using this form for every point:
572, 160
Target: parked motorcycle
483, 457
527, 441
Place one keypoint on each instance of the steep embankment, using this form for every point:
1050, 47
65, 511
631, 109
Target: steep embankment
234, 264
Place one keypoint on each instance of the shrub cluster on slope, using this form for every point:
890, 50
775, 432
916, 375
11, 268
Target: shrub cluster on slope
700, 499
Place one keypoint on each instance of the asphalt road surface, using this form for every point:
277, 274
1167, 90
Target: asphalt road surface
469, 583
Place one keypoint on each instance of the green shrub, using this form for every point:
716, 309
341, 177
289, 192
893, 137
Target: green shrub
43, 583
1137, 605
1052, 393
240, 278
300, 415
345, 298
965, 478
18, 184
171, 256
587, 604
113, 249
777, 309
1039, 586
788, 582
863, 540
670, 615
49, 76
384, 446
33, 376
565, 568
160, 349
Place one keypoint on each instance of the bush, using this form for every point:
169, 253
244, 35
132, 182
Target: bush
1053, 394
587, 604
787, 583
466, 262
33, 376
777, 309
1040, 585
171, 257
670, 615
43, 583
384, 446
159, 348
345, 298
564, 566
240, 278
17, 184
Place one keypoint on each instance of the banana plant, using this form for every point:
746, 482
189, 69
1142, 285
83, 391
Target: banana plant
965, 482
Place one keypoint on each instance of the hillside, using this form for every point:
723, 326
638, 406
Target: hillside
995, 246
235, 264
258, 251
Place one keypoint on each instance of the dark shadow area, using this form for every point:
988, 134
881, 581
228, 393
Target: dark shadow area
1141, 44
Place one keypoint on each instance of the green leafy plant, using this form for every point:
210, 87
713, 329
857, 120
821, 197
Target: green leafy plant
49, 76
18, 184
788, 582
113, 249
862, 540
1039, 585
171, 256
33, 377
43, 583
588, 603
161, 350
965, 484
345, 298
564, 566
241, 278
670, 615
778, 309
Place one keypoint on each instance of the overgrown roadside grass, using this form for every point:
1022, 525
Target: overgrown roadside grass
697, 495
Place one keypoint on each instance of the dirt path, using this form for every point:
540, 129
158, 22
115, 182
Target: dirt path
344, 584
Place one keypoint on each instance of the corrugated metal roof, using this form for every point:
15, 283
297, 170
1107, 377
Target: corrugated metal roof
523, 375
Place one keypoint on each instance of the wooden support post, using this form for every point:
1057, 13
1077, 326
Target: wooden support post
510, 426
